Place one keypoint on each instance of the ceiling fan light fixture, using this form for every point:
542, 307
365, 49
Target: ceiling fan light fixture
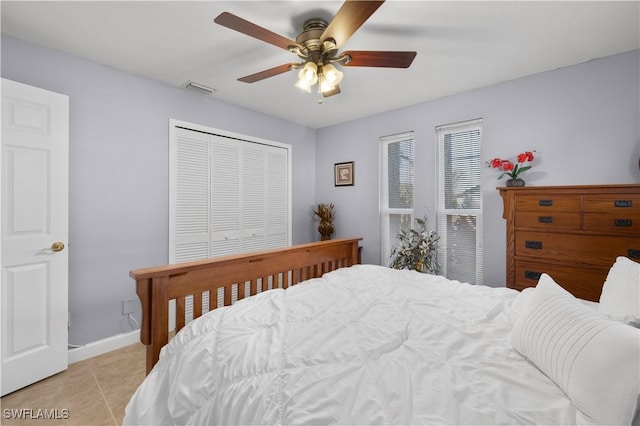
309, 73
304, 85
332, 75
329, 45
324, 85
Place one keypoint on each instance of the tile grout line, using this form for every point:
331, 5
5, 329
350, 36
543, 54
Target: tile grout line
104, 398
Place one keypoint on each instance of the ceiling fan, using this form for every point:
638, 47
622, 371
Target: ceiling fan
318, 44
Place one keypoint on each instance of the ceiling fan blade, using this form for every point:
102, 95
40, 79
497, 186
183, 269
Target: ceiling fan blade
376, 58
331, 92
349, 18
268, 73
236, 23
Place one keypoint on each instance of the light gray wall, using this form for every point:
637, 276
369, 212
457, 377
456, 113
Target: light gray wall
583, 121
119, 182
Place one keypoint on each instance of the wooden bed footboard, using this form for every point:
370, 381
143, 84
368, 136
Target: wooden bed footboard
228, 277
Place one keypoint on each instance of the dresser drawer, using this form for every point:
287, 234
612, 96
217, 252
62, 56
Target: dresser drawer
574, 233
585, 283
548, 203
548, 220
605, 203
619, 222
587, 249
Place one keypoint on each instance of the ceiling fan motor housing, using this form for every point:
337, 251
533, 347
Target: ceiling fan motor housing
314, 48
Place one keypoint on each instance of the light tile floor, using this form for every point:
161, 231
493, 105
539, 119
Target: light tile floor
93, 392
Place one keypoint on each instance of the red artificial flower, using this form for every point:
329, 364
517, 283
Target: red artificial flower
496, 162
511, 169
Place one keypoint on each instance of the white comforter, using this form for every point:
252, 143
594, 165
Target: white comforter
362, 345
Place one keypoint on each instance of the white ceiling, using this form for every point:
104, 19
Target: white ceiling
460, 45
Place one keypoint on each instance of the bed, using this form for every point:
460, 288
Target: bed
312, 337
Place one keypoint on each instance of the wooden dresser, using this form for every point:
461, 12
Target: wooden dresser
573, 233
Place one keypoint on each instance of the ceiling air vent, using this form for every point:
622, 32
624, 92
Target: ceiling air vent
199, 88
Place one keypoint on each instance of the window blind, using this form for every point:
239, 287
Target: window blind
396, 189
459, 204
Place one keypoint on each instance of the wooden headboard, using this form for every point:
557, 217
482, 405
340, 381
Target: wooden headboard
283, 267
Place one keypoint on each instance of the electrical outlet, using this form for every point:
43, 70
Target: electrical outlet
128, 306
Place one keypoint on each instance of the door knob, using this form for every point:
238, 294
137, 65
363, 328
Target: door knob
57, 246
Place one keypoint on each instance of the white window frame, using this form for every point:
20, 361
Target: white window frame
387, 241
442, 213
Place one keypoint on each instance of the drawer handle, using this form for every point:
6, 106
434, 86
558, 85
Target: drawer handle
623, 222
635, 253
623, 203
536, 245
545, 219
545, 203
532, 275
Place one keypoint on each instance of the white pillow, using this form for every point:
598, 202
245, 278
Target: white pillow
593, 359
522, 300
524, 296
620, 298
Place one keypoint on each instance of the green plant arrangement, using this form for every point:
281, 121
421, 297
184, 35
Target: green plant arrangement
416, 249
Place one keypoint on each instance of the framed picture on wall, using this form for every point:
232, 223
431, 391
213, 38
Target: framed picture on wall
344, 174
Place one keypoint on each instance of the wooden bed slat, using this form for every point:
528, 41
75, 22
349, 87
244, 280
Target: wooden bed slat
158, 285
180, 313
197, 305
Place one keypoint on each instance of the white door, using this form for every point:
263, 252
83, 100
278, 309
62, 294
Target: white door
34, 291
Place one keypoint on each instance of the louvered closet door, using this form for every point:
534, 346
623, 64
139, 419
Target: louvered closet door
190, 197
277, 202
252, 213
227, 196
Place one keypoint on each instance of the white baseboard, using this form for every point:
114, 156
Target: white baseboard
103, 346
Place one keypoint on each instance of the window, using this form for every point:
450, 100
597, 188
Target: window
459, 201
396, 189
